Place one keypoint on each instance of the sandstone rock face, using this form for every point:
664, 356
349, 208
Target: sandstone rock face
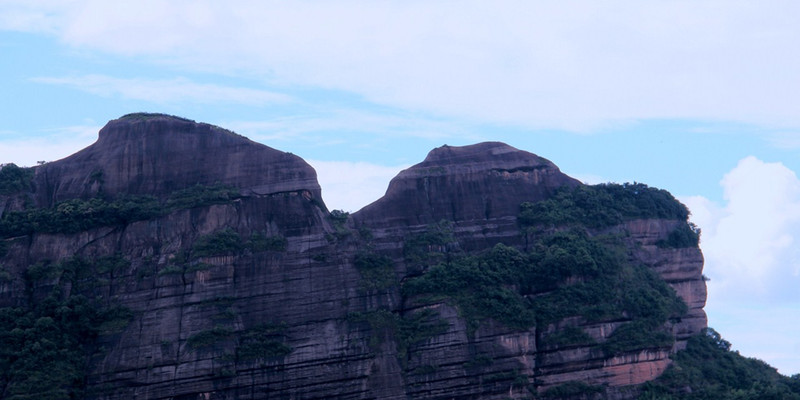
334, 330
463, 183
151, 154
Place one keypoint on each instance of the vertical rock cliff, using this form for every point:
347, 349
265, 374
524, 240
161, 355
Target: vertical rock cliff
231, 280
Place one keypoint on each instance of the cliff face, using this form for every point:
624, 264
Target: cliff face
266, 295
150, 154
463, 184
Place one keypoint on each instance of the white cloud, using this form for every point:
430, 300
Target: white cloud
750, 244
51, 146
752, 241
570, 64
297, 127
166, 90
785, 140
766, 332
34, 15
349, 186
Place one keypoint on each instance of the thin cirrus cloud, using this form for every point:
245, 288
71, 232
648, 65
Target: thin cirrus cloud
785, 140
356, 122
166, 90
577, 65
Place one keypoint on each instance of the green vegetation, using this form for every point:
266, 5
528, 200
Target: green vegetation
197, 266
5, 276
416, 328
479, 362
407, 331
572, 389
709, 370
338, 219
209, 337
339, 216
258, 343
144, 116
569, 336
603, 205
377, 271
114, 319
14, 179
259, 242
424, 370
262, 342
220, 243
430, 247
566, 274
480, 286
47, 343
171, 269
382, 324
636, 336
201, 195
684, 235
77, 215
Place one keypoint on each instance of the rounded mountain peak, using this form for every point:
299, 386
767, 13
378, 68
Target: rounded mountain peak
485, 150
480, 181
156, 154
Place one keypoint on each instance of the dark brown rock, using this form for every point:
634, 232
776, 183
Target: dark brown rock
312, 289
152, 154
484, 181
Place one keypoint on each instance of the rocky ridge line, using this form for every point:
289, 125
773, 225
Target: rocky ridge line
310, 291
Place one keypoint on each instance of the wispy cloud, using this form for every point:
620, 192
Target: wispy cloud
374, 123
785, 140
575, 65
33, 16
165, 90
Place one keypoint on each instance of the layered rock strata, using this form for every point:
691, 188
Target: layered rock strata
331, 334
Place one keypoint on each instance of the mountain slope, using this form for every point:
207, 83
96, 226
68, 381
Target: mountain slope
201, 265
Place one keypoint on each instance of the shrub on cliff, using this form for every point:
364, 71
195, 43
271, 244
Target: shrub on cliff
46, 343
201, 195
604, 205
684, 235
566, 274
224, 242
76, 215
14, 179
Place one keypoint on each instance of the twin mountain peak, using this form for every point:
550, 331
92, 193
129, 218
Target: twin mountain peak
265, 293
154, 154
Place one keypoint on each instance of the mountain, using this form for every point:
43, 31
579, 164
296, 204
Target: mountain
178, 260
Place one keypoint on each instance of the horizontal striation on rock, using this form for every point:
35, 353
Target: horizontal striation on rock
291, 314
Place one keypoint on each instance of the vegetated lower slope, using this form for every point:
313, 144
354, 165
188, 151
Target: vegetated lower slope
709, 370
573, 267
245, 289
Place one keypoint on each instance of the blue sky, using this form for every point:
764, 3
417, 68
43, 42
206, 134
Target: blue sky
697, 97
